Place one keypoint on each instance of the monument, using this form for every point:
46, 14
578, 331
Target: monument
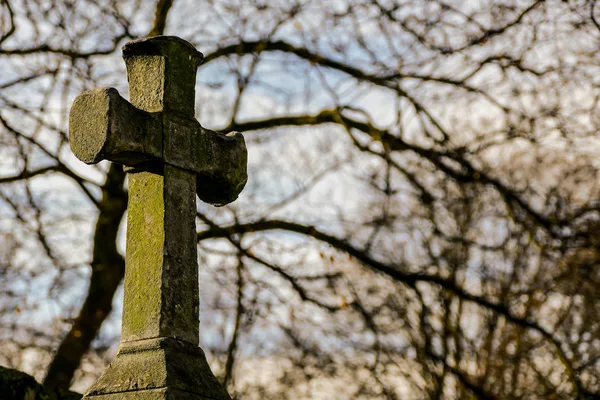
170, 158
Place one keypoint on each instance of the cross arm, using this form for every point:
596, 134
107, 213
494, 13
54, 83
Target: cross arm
105, 126
224, 173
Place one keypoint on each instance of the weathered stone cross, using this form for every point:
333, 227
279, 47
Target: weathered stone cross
170, 158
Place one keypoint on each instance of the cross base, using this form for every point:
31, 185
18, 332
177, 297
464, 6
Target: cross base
158, 369
153, 394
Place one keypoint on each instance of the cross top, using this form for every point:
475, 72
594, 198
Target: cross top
173, 72
170, 158
158, 126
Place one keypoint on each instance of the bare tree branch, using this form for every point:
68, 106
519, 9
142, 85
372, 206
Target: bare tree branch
108, 268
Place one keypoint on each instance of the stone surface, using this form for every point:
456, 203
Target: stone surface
170, 158
161, 286
166, 363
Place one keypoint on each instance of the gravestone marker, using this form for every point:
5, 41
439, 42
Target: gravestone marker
170, 158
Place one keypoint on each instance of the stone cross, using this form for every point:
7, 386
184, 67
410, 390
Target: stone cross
170, 158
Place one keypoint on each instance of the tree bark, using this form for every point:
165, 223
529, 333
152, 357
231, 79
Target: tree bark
108, 268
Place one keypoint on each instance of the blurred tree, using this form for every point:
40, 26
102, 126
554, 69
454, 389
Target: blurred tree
421, 219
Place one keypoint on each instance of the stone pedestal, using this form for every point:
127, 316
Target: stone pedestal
160, 368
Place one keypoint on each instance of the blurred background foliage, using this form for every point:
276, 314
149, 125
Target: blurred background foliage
421, 219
